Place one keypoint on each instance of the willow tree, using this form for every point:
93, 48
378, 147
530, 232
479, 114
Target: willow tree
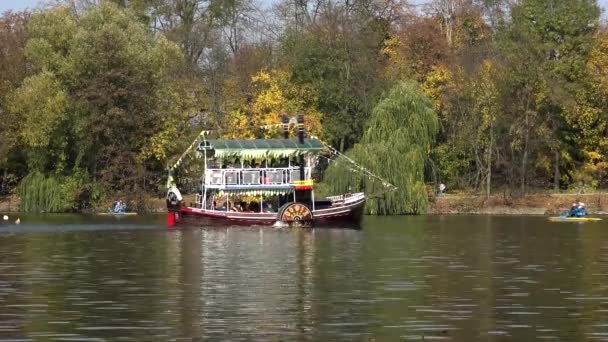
395, 147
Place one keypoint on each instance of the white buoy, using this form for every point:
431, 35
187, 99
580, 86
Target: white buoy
18, 221
5, 217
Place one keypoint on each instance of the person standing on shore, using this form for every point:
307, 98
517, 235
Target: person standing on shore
441, 189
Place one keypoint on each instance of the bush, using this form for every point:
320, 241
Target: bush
55, 194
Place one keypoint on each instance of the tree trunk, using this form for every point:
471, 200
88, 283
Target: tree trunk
489, 161
556, 174
524, 159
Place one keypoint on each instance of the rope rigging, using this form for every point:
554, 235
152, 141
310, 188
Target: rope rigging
356, 167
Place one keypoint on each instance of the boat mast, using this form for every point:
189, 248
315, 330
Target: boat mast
312, 191
204, 201
300, 121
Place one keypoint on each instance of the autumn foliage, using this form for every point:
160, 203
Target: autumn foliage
108, 93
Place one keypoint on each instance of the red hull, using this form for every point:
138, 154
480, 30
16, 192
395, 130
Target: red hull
348, 215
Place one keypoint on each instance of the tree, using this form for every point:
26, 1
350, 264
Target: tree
13, 69
338, 55
554, 39
272, 97
104, 98
395, 146
40, 105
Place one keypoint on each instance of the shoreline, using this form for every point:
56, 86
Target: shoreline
449, 204
531, 204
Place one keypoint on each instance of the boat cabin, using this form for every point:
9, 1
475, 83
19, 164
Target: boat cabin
257, 175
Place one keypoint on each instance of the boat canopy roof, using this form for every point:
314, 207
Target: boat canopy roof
258, 148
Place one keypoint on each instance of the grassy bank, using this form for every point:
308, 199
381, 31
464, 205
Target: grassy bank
531, 204
9, 204
462, 203
151, 204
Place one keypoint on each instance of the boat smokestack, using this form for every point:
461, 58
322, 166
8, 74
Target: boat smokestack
301, 128
285, 127
302, 173
300, 121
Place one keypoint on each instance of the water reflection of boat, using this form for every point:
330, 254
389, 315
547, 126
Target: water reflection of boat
262, 182
574, 219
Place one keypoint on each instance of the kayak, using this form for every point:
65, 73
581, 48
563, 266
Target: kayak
118, 214
574, 219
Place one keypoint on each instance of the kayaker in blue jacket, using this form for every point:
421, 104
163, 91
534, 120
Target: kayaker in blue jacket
118, 207
577, 209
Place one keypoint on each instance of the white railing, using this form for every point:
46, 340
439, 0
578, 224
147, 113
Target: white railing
348, 198
254, 176
198, 201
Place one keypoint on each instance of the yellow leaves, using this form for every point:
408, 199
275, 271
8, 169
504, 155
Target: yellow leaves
597, 64
390, 46
594, 168
159, 143
40, 104
50, 33
437, 82
485, 94
270, 102
167, 54
544, 163
239, 126
178, 101
586, 117
593, 156
273, 96
262, 77
396, 65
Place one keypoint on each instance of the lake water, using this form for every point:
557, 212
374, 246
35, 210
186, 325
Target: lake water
459, 278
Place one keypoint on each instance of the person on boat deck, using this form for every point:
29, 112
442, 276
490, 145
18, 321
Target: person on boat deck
269, 208
253, 207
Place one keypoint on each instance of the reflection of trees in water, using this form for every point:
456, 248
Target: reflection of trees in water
88, 281
456, 277
190, 272
244, 282
591, 239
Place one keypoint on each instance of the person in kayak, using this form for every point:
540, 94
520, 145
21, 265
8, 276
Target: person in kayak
118, 207
577, 209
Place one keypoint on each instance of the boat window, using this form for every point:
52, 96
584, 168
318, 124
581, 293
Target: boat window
231, 177
275, 177
216, 178
294, 175
251, 177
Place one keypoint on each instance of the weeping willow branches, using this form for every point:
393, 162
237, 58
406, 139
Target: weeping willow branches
395, 146
53, 194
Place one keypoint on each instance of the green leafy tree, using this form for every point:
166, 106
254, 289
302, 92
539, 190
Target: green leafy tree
395, 146
105, 99
13, 69
336, 50
545, 47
